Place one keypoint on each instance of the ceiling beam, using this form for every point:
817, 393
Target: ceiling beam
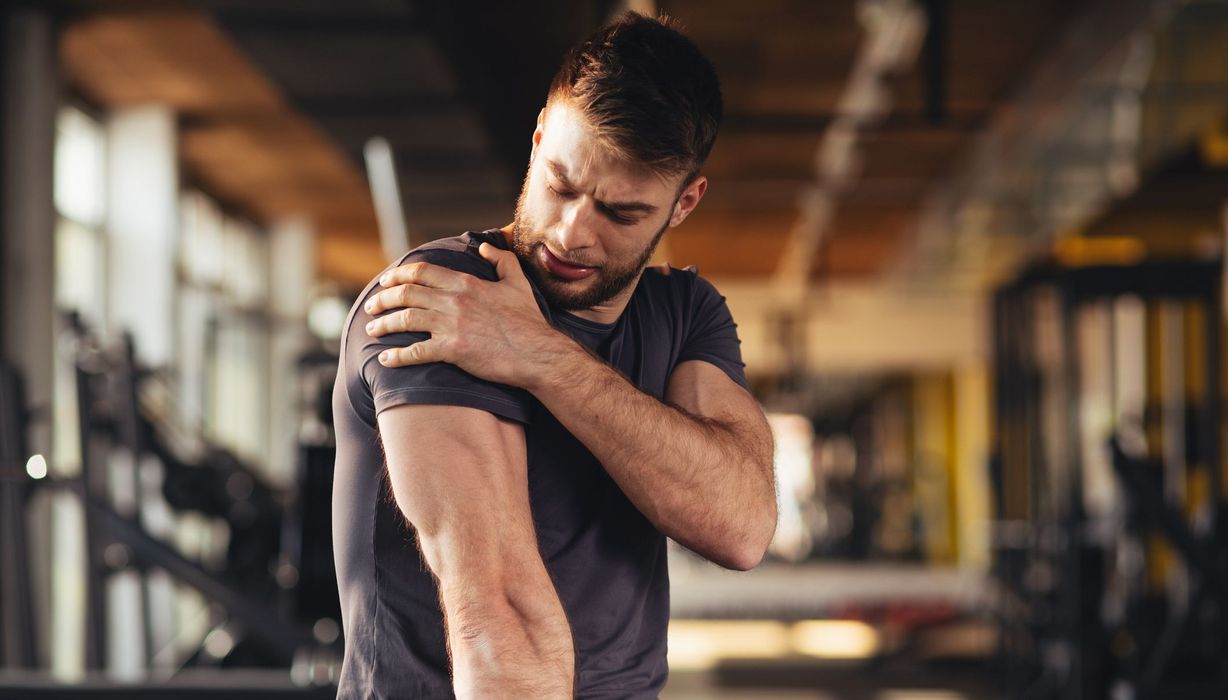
331, 25
403, 105
816, 123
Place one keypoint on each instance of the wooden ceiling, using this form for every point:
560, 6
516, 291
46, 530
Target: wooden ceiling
240, 141
783, 81
278, 97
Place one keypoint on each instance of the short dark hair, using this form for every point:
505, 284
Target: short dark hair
647, 91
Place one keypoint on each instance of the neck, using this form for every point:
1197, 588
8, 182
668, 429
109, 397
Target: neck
609, 310
507, 234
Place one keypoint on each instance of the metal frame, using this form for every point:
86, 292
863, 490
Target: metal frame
1055, 642
17, 638
279, 637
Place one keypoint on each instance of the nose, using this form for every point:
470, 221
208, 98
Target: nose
575, 230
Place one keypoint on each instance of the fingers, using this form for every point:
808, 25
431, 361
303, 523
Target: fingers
507, 265
416, 354
423, 274
403, 296
404, 321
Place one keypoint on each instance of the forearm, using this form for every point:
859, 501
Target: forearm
699, 481
514, 641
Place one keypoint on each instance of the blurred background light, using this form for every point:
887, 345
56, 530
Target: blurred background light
835, 639
36, 467
701, 644
326, 316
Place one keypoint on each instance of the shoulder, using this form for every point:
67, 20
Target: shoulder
684, 286
457, 253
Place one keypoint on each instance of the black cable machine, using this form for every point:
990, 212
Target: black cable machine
17, 640
252, 596
1109, 482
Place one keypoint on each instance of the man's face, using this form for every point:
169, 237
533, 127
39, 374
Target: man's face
586, 222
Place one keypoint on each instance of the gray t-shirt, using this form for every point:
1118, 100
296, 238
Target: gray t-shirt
606, 559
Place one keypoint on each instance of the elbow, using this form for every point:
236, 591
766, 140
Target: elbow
745, 558
747, 554
751, 547
759, 528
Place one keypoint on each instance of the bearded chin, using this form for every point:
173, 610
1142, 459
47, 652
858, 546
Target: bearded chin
605, 284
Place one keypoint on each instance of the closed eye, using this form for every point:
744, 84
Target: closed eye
560, 193
607, 212
616, 217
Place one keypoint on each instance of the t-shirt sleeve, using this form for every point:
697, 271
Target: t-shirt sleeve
712, 336
437, 383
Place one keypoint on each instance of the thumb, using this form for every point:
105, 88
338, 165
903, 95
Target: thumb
505, 261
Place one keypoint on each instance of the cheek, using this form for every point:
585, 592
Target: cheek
623, 245
543, 207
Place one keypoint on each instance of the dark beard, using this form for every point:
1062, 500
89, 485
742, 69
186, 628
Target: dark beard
610, 280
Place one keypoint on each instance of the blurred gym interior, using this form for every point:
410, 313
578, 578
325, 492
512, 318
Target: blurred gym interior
975, 251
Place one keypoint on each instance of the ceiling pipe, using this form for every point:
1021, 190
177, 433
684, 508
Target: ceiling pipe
894, 30
1063, 148
386, 196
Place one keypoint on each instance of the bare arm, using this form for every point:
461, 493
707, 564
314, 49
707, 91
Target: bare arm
460, 477
698, 466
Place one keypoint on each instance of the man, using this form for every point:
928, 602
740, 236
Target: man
549, 410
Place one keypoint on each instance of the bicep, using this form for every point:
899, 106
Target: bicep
459, 475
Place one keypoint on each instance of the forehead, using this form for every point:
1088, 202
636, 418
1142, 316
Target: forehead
569, 142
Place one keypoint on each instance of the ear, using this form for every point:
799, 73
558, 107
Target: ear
688, 200
537, 132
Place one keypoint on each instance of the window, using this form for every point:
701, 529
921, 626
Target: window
223, 328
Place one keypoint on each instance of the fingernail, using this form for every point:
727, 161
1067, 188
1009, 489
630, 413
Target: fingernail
371, 326
383, 356
369, 306
384, 279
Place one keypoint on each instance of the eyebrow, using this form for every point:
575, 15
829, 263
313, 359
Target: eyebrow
621, 207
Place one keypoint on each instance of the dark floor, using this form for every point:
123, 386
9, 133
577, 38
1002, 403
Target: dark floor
795, 680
